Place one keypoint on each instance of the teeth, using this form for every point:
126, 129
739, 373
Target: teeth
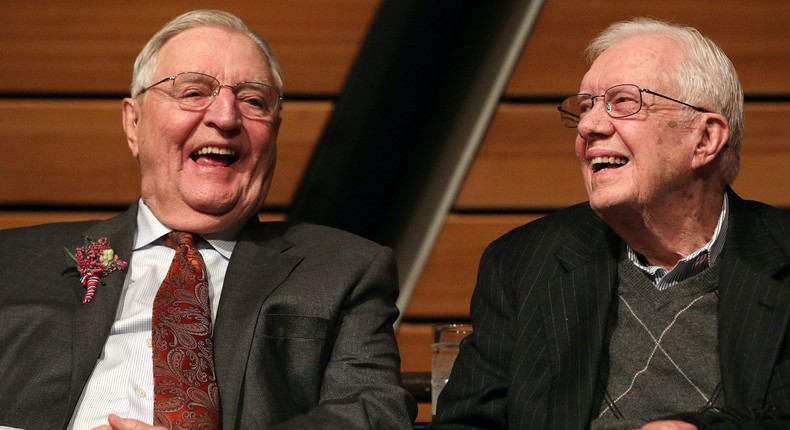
608, 160
215, 150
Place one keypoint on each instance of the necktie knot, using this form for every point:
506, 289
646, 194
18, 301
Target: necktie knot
178, 239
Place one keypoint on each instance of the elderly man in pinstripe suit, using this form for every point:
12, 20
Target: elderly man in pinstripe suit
663, 302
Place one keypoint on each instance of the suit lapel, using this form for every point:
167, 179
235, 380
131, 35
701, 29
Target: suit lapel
257, 267
577, 309
93, 320
754, 307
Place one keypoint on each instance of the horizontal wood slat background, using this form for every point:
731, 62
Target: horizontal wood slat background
73, 46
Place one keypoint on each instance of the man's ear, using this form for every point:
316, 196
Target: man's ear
129, 115
715, 133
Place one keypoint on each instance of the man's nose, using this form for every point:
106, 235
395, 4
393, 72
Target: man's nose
596, 120
224, 110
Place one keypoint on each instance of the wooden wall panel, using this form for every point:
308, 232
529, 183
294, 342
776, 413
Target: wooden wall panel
24, 218
65, 152
75, 153
527, 160
765, 155
73, 46
414, 340
753, 34
446, 285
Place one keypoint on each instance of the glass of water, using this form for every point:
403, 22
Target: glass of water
446, 339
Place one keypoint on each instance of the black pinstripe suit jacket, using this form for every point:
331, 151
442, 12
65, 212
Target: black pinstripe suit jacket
540, 313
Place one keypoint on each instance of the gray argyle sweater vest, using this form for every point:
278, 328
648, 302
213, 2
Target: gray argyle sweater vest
663, 356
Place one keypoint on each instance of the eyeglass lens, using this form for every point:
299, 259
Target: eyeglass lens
197, 91
619, 101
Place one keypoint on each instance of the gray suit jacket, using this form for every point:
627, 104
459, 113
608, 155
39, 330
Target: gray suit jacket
541, 309
303, 335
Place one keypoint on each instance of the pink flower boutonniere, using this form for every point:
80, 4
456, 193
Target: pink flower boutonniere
94, 260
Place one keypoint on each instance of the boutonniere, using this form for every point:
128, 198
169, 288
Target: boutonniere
94, 260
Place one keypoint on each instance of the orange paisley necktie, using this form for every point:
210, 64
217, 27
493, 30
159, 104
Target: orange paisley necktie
185, 386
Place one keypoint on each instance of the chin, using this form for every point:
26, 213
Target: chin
222, 218
601, 202
213, 200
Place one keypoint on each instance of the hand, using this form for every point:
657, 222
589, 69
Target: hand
668, 425
118, 423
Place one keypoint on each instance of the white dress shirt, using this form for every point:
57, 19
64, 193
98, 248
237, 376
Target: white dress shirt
122, 381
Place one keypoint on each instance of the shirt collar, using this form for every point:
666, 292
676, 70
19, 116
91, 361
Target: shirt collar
689, 265
150, 229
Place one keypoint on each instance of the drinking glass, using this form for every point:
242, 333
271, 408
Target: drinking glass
446, 340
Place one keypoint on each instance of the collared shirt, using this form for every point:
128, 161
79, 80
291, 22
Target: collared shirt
122, 382
692, 264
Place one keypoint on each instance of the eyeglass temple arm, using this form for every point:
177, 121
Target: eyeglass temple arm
698, 109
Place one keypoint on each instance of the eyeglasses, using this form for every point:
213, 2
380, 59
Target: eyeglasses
619, 101
196, 91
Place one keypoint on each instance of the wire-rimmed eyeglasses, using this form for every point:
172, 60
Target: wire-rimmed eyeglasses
196, 91
619, 101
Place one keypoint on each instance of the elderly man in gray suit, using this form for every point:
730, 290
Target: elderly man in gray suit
664, 301
186, 311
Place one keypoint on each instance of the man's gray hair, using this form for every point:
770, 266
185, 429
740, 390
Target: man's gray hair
705, 77
145, 64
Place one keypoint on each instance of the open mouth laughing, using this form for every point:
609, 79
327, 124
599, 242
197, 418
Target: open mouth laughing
215, 156
600, 163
